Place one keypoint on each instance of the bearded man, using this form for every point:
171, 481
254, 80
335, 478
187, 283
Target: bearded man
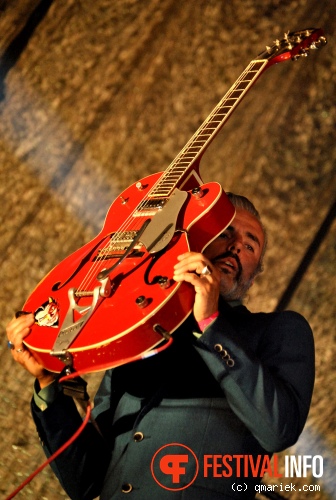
201, 419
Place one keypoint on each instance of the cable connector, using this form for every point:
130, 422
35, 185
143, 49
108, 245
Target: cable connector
73, 386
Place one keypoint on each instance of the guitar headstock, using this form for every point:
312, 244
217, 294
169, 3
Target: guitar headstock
294, 45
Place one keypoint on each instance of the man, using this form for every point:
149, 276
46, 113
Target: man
201, 419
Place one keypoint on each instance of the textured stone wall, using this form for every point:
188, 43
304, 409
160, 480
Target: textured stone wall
96, 95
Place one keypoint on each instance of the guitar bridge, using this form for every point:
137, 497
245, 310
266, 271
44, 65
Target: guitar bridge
70, 328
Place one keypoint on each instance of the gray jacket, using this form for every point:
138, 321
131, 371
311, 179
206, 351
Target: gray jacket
196, 421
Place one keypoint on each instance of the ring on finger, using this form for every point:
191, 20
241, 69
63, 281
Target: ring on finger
206, 271
19, 350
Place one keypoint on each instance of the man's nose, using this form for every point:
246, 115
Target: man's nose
235, 245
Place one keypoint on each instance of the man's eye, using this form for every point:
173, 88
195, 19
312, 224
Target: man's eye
223, 235
250, 248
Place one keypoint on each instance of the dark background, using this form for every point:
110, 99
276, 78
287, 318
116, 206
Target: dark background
95, 95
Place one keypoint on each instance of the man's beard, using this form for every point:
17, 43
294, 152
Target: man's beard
237, 286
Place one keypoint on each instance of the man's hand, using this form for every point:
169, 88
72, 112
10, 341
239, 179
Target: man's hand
17, 330
189, 268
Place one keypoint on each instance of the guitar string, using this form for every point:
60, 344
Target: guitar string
127, 225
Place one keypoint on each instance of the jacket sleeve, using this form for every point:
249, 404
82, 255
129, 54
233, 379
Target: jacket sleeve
81, 468
270, 387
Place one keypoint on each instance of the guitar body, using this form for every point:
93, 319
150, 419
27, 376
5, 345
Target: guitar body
118, 326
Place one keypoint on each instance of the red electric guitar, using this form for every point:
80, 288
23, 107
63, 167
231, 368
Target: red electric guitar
115, 298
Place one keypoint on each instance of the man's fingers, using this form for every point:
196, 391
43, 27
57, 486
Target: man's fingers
193, 262
18, 329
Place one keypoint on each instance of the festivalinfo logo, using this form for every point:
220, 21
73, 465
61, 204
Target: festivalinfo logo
175, 466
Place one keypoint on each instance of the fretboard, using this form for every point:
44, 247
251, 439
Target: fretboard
199, 142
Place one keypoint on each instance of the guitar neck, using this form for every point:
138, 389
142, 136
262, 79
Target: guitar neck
293, 46
196, 146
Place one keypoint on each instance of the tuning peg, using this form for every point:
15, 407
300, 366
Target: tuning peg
316, 44
319, 43
301, 53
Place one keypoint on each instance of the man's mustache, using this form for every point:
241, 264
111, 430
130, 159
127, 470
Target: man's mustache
233, 256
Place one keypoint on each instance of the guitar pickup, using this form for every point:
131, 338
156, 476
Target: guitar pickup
150, 207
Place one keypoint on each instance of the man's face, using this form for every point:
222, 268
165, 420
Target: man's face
236, 253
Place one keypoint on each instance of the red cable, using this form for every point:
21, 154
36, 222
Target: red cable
88, 411
55, 455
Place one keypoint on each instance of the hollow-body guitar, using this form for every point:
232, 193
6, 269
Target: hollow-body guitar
114, 298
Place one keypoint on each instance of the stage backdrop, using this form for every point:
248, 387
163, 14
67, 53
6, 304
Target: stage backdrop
95, 95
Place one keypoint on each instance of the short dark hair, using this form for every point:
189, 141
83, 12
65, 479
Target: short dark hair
240, 201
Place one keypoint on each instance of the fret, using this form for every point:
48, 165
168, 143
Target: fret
170, 177
244, 84
186, 160
242, 88
216, 121
204, 137
209, 127
224, 107
235, 94
231, 99
171, 180
199, 139
178, 170
173, 173
193, 148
